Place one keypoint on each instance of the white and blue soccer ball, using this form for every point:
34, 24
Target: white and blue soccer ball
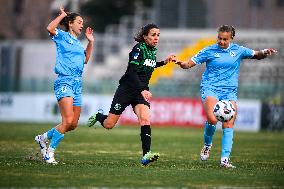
224, 110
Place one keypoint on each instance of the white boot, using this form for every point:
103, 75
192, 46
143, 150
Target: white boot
49, 156
205, 152
225, 162
42, 144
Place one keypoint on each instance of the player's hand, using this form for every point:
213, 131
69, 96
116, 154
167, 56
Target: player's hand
147, 95
179, 62
62, 12
183, 64
89, 34
269, 51
171, 58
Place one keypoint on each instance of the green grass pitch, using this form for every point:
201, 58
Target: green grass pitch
110, 158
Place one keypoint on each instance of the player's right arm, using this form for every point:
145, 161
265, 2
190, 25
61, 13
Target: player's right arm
51, 28
186, 64
261, 54
199, 58
133, 76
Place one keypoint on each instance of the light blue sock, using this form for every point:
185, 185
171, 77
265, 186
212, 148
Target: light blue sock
209, 131
227, 142
56, 138
50, 133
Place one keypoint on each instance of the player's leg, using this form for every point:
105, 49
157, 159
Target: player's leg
209, 99
76, 117
67, 115
62, 90
110, 121
120, 101
77, 103
210, 124
227, 140
43, 139
143, 113
107, 121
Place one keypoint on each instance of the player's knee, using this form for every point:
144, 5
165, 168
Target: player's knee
109, 125
144, 121
73, 126
228, 124
212, 120
68, 121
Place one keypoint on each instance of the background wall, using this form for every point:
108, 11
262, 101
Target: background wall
27, 55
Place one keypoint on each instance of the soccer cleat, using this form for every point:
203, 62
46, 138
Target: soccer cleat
149, 157
205, 152
49, 157
226, 163
93, 119
42, 145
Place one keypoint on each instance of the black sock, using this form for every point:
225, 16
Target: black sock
100, 118
146, 138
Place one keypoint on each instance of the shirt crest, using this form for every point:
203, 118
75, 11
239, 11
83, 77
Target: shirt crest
217, 55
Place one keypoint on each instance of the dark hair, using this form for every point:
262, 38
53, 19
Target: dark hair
144, 31
227, 28
69, 18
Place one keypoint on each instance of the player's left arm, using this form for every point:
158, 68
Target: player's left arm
170, 58
91, 39
261, 54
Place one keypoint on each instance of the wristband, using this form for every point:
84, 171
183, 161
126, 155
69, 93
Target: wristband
264, 52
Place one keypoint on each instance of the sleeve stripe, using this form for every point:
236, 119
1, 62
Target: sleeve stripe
194, 60
253, 53
133, 62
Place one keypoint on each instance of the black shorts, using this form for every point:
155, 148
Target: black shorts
125, 96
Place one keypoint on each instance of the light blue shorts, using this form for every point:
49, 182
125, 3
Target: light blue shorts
219, 94
69, 86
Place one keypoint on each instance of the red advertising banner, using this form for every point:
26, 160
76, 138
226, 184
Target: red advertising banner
170, 112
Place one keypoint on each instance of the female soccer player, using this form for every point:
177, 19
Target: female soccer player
70, 60
220, 82
133, 88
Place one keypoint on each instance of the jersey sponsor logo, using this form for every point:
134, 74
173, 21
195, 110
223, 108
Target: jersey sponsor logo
136, 55
232, 54
217, 55
117, 106
149, 62
70, 41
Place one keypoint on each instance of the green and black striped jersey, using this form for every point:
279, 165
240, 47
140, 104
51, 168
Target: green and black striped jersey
142, 62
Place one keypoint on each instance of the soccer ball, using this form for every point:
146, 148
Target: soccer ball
224, 110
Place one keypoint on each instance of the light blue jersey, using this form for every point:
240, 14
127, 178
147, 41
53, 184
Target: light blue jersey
70, 57
222, 65
70, 54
